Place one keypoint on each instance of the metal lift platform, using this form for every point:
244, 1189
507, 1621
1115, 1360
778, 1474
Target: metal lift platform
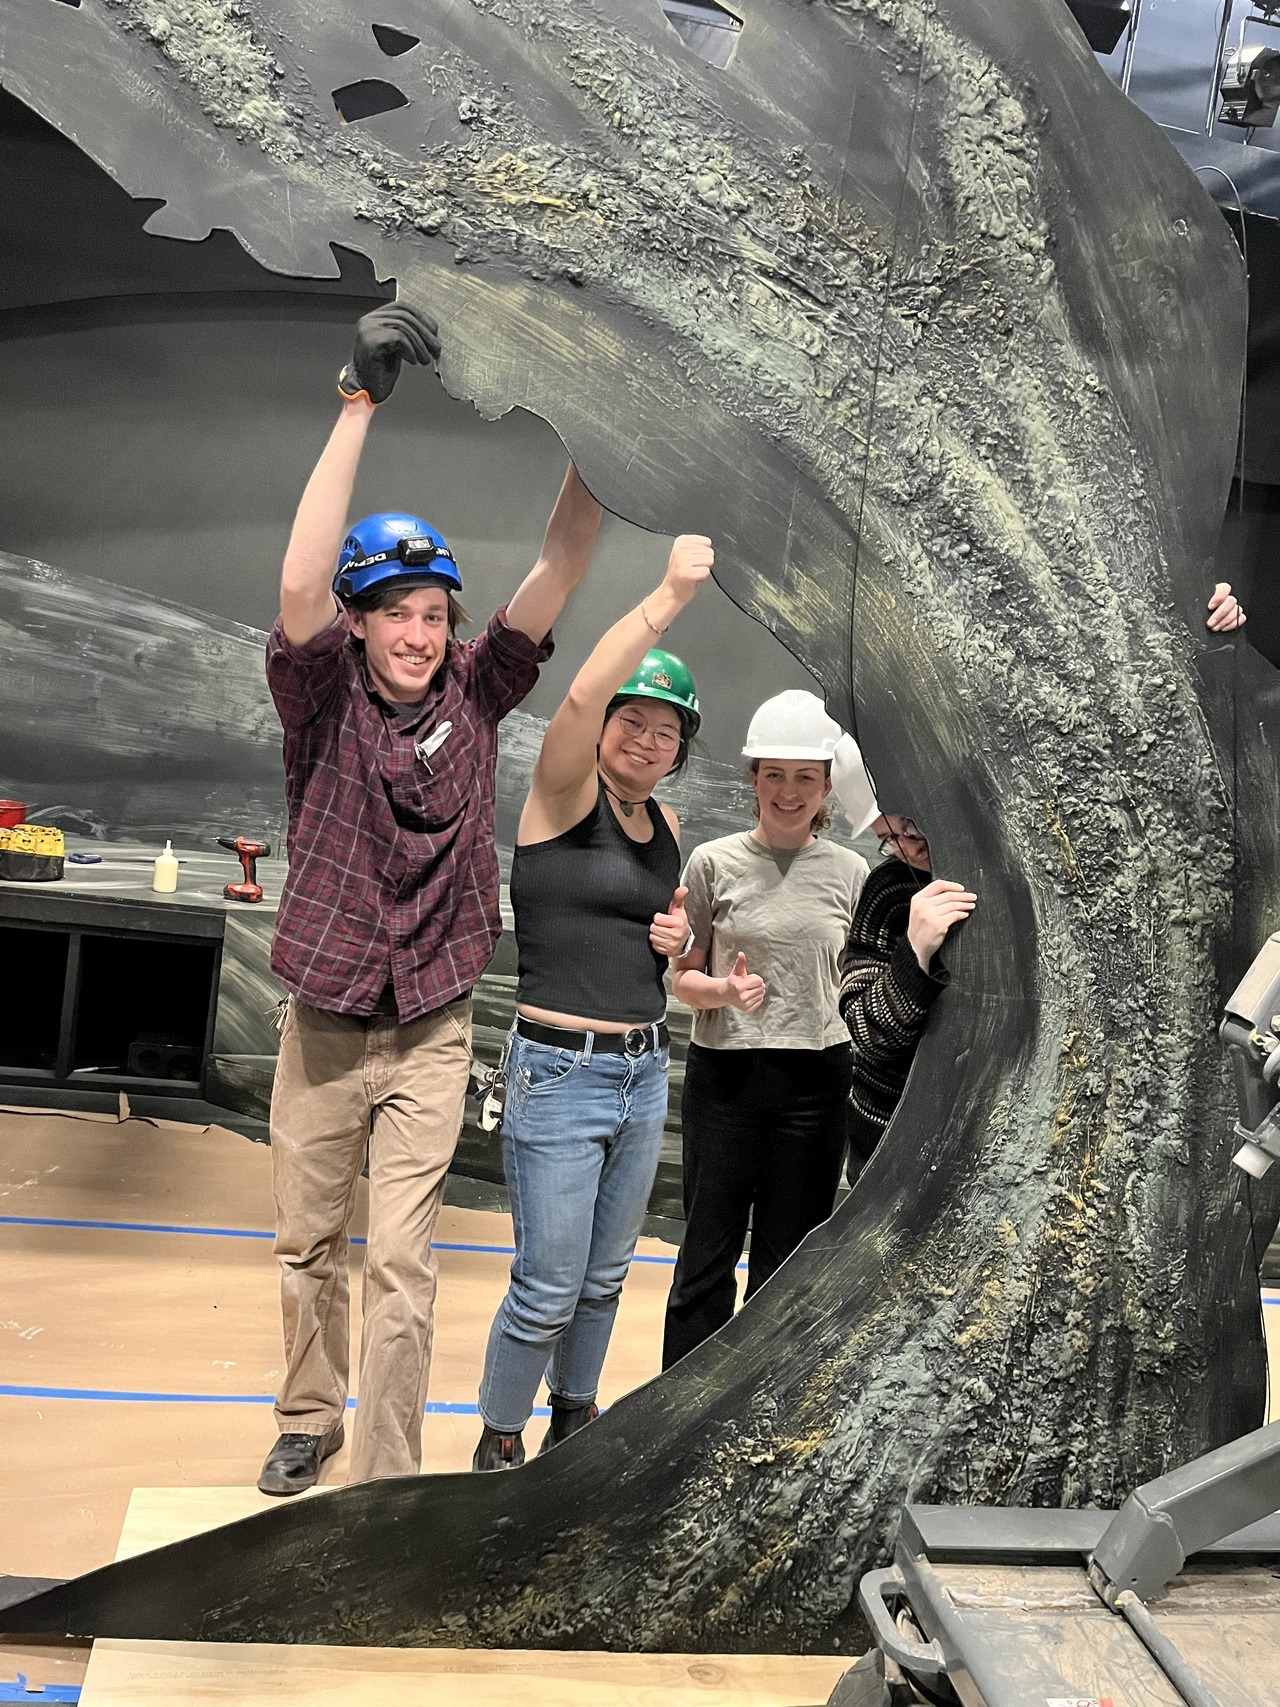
1174, 1601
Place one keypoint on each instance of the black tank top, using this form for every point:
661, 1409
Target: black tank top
583, 903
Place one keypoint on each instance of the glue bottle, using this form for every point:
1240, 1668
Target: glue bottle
165, 880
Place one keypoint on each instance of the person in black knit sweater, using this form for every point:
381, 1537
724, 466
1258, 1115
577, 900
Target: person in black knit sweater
890, 975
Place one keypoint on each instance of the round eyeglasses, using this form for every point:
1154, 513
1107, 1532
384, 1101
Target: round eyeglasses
665, 740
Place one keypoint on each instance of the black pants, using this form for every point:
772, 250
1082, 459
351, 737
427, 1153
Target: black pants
764, 1137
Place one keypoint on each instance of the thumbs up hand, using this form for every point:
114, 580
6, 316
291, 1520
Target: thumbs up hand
670, 930
744, 989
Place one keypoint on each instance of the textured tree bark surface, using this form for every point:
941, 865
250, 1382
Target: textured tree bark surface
940, 341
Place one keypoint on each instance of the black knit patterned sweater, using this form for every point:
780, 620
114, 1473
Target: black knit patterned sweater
884, 999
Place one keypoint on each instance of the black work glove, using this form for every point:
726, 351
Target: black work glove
384, 338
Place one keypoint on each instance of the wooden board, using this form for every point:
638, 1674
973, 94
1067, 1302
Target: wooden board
192, 1674
157, 1516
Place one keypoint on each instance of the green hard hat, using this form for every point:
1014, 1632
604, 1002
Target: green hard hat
664, 676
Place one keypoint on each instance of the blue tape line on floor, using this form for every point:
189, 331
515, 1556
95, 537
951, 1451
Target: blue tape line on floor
138, 1227
254, 1233
19, 1691
122, 1396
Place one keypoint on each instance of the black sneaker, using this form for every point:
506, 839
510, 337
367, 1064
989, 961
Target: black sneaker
498, 1451
293, 1463
566, 1419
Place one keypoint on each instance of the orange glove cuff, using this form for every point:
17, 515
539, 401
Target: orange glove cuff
353, 396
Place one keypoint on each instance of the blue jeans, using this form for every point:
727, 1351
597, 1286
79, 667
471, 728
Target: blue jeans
581, 1137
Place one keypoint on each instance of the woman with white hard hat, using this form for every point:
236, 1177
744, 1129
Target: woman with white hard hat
769, 1069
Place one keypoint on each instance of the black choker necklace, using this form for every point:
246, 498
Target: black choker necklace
628, 806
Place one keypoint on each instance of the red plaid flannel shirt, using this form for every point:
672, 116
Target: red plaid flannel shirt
393, 873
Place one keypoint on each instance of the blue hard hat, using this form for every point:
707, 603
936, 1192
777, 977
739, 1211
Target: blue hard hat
393, 546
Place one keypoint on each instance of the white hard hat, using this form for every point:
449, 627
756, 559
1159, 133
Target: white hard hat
792, 725
852, 786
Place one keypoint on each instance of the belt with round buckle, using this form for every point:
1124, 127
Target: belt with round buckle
632, 1043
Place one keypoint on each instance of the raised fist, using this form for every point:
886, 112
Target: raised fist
385, 337
688, 566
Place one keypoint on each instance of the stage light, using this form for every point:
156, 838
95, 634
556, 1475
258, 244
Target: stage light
1103, 21
1250, 86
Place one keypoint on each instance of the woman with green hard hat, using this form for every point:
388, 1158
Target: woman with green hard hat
598, 913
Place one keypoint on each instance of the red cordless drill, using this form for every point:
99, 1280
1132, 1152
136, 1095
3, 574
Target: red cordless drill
250, 853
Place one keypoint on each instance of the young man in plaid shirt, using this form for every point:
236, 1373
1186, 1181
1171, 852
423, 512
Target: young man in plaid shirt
389, 912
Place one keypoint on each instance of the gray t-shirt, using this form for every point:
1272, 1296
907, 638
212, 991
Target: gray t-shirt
792, 926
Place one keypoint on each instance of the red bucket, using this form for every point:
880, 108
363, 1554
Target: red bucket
12, 812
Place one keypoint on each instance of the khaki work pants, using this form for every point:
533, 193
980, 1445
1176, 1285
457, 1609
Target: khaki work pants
345, 1087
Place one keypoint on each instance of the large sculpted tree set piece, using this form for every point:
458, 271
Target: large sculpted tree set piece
939, 340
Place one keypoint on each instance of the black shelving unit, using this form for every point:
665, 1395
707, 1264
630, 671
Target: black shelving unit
107, 995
